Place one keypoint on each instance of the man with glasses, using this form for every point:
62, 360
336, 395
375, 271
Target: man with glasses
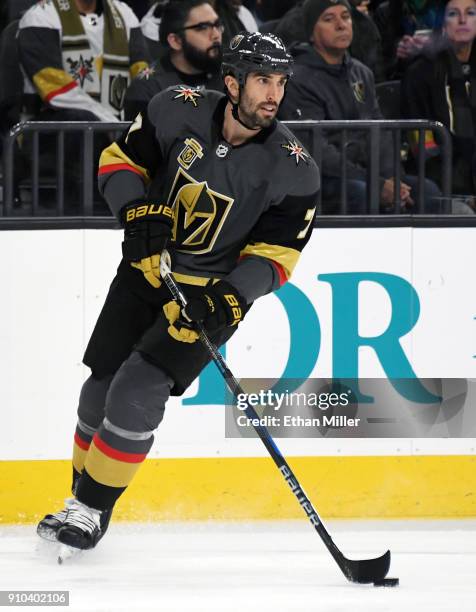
232, 193
192, 32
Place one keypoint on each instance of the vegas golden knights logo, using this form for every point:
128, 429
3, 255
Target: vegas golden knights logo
189, 154
199, 213
359, 91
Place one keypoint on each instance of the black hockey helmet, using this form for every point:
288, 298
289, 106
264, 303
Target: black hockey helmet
255, 52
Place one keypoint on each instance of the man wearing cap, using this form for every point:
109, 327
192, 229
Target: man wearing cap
331, 85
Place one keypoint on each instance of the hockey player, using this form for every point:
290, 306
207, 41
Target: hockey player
233, 193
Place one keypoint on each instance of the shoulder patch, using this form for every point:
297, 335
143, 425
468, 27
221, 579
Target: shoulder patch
297, 151
187, 94
146, 73
81, 69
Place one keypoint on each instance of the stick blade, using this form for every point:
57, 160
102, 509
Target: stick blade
367, 570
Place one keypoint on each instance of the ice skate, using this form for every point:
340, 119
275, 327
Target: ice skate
48, 527
83, 526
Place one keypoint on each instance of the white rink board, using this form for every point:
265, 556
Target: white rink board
54, 283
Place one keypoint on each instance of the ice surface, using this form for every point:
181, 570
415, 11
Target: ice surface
279, 566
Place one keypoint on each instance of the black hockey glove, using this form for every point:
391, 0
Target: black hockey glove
219, 306
147, 228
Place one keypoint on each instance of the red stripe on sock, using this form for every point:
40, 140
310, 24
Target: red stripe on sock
281, 273
283, 278
116, 454
81, 443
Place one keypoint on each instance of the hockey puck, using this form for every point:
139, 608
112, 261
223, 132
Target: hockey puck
387, 582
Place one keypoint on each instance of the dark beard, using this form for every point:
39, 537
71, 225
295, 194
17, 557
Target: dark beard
251, 119
201, 60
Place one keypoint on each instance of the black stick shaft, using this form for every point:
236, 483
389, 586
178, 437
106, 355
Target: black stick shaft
355, 571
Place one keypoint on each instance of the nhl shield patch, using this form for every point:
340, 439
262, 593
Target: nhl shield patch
222, 150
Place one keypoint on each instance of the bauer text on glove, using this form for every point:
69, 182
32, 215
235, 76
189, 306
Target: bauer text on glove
147, 228
219, 306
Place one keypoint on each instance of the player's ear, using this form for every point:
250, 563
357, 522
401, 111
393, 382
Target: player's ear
233, 88
174, 41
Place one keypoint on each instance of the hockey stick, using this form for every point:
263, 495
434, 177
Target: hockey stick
363, 571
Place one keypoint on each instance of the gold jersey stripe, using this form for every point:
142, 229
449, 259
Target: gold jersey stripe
187, 279
109, 471
114, 155
49, 80
137, 67
286, 257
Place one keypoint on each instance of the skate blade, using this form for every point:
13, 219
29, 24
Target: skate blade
65, 553
47, 534
46, 549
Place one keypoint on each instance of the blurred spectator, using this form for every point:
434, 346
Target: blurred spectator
329, 84
441, 85
3, 17
366, 44
362, 6
11, 78
78, 60
193, 34
150, 29
405, 27
234, 16
77, 57
140, 7
14, 9
246, 16
269, 10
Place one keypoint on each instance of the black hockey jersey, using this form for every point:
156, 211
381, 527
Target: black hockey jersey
253, 200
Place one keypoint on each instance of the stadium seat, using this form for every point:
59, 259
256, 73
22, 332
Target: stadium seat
388, 96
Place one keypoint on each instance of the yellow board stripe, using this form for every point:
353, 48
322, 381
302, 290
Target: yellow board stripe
252, 488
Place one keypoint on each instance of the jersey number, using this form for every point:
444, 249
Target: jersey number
308, 217
135, 126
